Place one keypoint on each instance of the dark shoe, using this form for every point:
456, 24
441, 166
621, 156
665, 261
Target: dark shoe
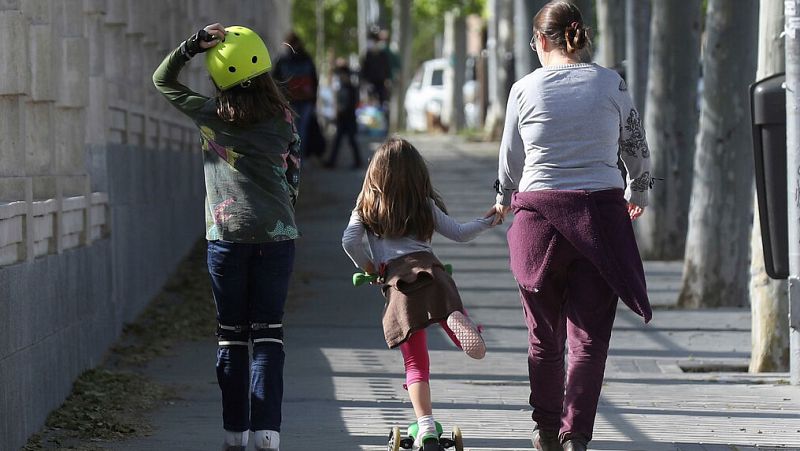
574, 445
544, 440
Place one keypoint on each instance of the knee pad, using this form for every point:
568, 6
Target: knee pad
237, 335
266, 333
267, 440
237, 438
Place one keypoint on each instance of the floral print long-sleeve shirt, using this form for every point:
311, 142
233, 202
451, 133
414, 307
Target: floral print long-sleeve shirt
251, 173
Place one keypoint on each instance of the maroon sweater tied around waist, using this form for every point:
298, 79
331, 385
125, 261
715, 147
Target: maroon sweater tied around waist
596, 223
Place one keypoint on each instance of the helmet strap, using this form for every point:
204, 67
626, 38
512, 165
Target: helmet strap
246, 84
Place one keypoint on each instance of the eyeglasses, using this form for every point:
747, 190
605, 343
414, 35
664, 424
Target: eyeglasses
533, 42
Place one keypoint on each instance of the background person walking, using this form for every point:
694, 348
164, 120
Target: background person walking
252, 166
295, 69
346, 100
572, 248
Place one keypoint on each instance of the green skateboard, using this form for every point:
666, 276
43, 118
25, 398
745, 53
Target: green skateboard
432, 443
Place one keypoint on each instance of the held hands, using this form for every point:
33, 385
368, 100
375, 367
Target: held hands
499, 212
634, 211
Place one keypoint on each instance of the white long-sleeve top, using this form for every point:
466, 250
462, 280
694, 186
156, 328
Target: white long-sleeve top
382, 250
566, 126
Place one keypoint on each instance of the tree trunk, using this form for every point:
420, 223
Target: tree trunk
611, 30
720, 215
525, 59
637, 50
500, 76
455, 52
401, 45
769, 301
671, 123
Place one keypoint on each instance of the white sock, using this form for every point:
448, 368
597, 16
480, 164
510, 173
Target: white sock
236, 438
426, 425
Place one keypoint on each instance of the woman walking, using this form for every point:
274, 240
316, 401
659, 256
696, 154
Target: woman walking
572, 248
252, 164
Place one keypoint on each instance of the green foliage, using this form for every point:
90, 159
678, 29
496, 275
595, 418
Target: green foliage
428, 23
341, 23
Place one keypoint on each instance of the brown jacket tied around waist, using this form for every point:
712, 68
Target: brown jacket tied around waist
418, 292
595, 223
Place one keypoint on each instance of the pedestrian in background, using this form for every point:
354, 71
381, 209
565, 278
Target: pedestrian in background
398, 210
295, 69
572, 248
376, 68
252, 164
345, 100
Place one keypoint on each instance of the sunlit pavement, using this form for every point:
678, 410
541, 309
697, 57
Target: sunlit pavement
344, 388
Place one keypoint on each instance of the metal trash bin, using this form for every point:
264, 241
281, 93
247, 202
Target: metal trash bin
768, 114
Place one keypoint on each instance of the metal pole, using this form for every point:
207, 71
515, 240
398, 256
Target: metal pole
791, 28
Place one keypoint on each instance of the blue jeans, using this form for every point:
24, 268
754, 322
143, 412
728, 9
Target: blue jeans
250, 283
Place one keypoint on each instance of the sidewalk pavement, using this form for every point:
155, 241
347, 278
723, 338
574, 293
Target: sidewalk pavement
344, 388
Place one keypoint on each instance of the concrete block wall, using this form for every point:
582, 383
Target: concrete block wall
101, 182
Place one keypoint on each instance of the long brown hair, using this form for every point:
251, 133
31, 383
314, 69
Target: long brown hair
561, 23
395, 199
252, 101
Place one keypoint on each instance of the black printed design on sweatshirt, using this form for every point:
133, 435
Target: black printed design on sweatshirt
642, 183
634, 144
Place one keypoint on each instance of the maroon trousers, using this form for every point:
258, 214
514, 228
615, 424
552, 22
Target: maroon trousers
574, 304
573, 254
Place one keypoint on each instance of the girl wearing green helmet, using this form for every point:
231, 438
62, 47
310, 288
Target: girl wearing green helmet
252, 165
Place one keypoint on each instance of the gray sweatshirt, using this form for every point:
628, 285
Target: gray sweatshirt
565, 128
384, 249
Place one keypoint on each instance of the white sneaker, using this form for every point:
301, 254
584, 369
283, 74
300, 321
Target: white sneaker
236, 441
267, 440
468, 335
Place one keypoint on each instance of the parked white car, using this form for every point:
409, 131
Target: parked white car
425, 97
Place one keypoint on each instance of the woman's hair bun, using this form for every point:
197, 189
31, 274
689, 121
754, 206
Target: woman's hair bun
575, 37
561, 23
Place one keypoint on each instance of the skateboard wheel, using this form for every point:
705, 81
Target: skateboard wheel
394, 439
458, 439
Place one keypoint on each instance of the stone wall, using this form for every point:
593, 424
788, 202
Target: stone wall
101, 182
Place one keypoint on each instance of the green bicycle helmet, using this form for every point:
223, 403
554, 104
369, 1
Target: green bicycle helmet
239, 58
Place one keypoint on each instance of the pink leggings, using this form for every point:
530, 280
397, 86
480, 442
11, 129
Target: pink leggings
415, 355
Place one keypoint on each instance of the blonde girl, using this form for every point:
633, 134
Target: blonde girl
398, 210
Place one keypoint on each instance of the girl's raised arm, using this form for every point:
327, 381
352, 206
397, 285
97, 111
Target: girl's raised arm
165, 78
